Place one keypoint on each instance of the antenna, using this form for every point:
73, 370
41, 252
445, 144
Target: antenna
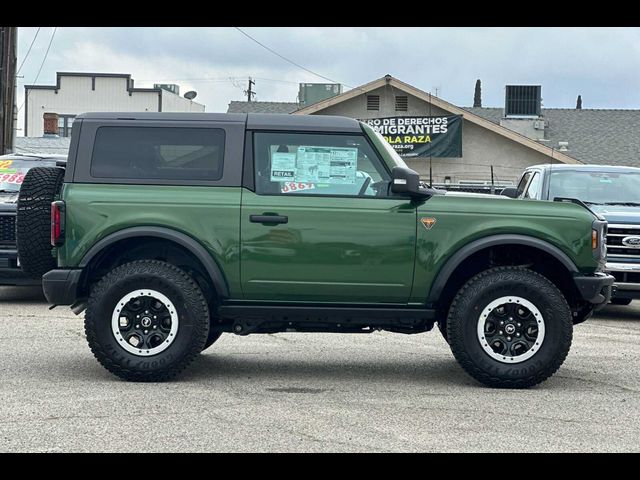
550, 172
190, 95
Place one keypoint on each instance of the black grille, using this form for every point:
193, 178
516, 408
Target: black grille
626, 277
615, 235
7, 229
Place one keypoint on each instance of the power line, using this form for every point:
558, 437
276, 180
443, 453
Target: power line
287, 60
29, 51
46, 54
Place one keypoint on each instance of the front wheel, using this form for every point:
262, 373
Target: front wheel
510, 327
146, 320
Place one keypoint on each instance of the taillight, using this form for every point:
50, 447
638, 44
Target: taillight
57, 220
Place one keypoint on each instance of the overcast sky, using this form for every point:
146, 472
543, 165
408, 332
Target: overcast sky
601, 64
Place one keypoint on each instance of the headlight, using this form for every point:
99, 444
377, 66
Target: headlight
599, 240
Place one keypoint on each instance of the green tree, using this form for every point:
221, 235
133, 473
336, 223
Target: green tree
477, 96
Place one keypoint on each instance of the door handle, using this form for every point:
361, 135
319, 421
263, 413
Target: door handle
268, 219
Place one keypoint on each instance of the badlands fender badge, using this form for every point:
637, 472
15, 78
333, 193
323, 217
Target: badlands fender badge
428, 222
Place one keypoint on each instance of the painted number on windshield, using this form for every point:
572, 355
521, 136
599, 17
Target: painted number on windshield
16, 178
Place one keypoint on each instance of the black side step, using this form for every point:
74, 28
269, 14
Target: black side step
245, 319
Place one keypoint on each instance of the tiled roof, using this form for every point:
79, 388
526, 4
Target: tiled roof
262, 107
602, 136
55, 145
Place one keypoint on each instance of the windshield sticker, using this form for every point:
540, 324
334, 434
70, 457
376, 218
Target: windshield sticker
331, 165
310, 164
16, 178
283, 166
4, 164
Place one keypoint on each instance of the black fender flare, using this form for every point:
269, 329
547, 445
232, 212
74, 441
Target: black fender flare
175, 236
505, 239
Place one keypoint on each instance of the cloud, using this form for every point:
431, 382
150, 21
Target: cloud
593, 62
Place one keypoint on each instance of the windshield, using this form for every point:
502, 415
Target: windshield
12, 173
388, 148
596, 187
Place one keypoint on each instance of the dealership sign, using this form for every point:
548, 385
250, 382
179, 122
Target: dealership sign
421, 136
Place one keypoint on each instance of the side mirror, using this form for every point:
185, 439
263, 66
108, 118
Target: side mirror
406, 182
511, 192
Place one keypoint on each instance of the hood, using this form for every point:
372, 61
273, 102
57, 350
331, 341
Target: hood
8, 197
618, 213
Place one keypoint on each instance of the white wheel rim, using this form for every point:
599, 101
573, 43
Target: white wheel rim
123, 339
487, 315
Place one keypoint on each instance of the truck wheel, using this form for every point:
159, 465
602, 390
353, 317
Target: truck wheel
33, 232
146, 320
621, 301
509, 327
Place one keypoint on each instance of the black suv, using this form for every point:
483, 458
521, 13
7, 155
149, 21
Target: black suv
13, 169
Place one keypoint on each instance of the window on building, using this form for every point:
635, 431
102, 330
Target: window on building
318, 164
158, 153
402, 102
65, 122
373, 102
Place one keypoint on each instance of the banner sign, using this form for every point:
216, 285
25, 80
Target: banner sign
421, 136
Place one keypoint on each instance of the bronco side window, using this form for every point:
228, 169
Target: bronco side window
317, 164
158, 153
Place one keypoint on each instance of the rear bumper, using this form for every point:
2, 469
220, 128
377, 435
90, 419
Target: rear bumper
60, 286
625, 271
596, 288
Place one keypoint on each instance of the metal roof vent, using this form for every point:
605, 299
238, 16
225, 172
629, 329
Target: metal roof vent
523, 101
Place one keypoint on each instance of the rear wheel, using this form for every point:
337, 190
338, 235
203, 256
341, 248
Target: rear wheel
146, 320
510, 327
33, 233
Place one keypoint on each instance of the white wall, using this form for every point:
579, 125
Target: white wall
75, 96
175, 103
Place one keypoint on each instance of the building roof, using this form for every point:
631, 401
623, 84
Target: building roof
261, 107
42, 145
444, 105
604, 136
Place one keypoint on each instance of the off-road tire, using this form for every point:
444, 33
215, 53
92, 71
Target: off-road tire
620, 301
473, 298
33, 232
180, 288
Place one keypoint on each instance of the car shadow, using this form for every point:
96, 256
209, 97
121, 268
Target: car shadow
21, 294
619, 312
428, 369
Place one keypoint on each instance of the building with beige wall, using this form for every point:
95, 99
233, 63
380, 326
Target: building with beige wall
491, 137
75, 93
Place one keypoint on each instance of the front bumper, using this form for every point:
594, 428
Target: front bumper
596, 288
10, 271
624, 271
60, 286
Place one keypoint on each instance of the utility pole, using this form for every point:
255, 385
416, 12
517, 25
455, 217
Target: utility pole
249, 92
8, 62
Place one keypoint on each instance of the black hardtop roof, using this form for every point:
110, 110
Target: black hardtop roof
254, 121
585, 168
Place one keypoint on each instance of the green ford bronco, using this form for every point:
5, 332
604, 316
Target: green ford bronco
171, 229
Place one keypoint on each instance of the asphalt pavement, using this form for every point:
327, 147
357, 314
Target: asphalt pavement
310, 392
